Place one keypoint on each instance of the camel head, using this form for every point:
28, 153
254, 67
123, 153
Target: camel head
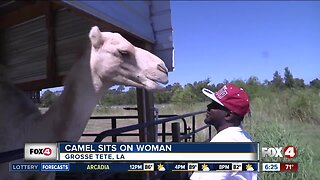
117, 61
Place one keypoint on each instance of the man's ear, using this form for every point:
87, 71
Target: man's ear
228, 116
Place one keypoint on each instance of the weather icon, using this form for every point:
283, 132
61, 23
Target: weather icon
205, 167
161, 167
249, 167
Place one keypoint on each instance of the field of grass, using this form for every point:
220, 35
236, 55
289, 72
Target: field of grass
288, 118
278, 120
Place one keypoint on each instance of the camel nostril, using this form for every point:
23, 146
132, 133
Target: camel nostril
162, 68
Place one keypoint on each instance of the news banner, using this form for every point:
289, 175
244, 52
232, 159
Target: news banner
75, 157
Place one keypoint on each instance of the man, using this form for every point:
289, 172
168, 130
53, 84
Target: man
226, 112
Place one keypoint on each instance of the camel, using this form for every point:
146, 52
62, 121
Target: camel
111, 60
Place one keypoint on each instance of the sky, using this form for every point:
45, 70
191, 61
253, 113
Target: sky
236, 40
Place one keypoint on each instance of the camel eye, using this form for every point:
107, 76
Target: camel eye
123, 53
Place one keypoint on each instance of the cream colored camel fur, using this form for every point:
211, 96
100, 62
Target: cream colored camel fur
112, 60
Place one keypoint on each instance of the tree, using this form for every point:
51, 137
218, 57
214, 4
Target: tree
315, 83
253, 87
277, 80
162, 97
185, 95
47, 98
253, 81
266, 82
176, 86
197, 89
131, 96
120, 88
238, 82
219, 86
299, 83
288, 78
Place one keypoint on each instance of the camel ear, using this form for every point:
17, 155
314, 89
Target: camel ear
96, 37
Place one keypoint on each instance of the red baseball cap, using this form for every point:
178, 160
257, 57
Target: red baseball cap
232, 97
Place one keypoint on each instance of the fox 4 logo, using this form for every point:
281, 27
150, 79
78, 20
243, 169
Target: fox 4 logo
288, 152
41, 151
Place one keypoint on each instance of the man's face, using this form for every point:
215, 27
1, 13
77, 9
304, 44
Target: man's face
215, 114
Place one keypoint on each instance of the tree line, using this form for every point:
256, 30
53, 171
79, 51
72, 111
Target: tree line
191, 92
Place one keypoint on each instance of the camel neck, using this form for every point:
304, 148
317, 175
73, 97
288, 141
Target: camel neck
73, 108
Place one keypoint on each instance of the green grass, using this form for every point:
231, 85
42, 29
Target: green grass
280, 135
288, 118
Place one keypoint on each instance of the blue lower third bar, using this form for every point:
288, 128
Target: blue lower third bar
25, 166
55, 167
